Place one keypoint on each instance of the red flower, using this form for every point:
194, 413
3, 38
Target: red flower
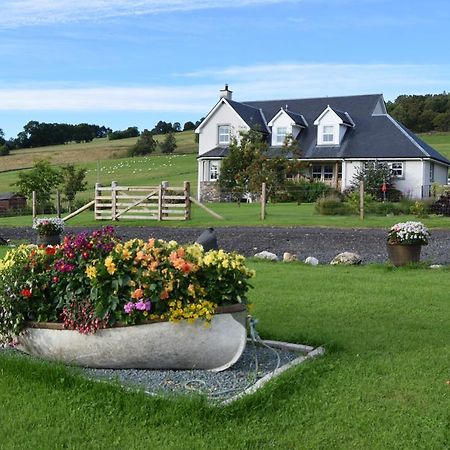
26, 293
50, 250
55, 279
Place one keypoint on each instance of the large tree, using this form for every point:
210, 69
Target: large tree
169, 143
145, 145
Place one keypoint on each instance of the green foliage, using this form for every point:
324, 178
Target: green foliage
168, 144
2, 138
42, 179
145, 145
353, 201
419, 209
73, 181
305, 190
4, 150
332, 205
374, 174
442, 205
422, 113
123, 134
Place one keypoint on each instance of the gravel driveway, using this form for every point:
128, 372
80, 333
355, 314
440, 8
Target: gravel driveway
323, 243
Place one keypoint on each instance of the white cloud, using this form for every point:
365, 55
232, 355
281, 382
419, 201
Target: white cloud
196, 92
34, 12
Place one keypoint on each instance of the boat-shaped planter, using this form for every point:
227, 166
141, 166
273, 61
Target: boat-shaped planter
155, 345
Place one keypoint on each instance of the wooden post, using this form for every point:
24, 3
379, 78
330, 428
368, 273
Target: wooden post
58, 204
187, 202
160, 200
97, 195
164, 187
263, 201
361, 200
113, 200
33, 204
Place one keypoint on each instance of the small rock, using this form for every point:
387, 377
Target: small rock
436, 266
312, 261
266, 255
288, 257
346, 259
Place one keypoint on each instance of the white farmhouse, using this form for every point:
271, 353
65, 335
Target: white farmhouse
336, 136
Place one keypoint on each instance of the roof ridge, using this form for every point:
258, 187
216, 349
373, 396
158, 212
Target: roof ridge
309, 98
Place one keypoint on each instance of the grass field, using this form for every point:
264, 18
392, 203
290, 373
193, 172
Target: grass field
97, 150
382, 383
439, 141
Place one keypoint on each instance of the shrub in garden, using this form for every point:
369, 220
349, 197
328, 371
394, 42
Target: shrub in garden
332, 206
305, 190
442, 205
94, 280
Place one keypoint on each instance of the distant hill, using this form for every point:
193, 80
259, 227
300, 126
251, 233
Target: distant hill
97, 150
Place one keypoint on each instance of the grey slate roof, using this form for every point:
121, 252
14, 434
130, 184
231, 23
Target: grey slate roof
251, 115
344, 116
297, 118
374, 137
216, 152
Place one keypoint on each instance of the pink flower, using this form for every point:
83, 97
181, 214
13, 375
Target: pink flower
128, 308
142, 305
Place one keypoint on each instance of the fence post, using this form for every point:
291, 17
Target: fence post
361, 200
263, 201
187, 202
165, 187
33, 204
160, 200
58, 204
113, 200
97, 195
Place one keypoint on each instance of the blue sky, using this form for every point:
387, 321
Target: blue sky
131, 63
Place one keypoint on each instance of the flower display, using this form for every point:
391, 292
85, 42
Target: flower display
95, 280
408, 233
48, 227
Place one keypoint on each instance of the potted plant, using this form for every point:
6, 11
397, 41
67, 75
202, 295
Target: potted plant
97, 301
48, 230
404, 242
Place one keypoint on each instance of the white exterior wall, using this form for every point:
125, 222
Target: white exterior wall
440, 173
411, 184
224, 115
416, 179
283, 120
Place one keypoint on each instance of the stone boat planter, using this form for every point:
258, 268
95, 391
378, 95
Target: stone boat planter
155, 345
402, 254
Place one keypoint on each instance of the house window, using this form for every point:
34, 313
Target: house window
224, 134
213, 170
431, 172
328, 172
396, 169
317, 172
281, 135
328, 133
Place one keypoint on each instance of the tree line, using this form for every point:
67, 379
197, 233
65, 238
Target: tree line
41, 134
422, 113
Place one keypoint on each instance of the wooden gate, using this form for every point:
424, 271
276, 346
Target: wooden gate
161, 202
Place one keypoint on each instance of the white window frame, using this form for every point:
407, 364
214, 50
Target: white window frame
213, 171
397, 168
281, 135
328, 131
326, 173
224, 138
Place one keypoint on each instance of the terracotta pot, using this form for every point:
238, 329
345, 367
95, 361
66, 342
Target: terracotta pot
400, 255
50, 239
157, 345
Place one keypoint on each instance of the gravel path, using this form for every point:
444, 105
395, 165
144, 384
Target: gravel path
322, 243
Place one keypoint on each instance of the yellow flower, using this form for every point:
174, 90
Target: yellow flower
126, 254
91, 272
110, 265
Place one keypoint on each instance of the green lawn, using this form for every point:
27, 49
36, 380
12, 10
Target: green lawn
278, 214
439, 141
382, 383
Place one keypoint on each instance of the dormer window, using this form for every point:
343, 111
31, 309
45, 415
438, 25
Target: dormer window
281, 135
224, 134
328, 134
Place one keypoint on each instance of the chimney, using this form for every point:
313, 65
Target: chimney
226, 93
